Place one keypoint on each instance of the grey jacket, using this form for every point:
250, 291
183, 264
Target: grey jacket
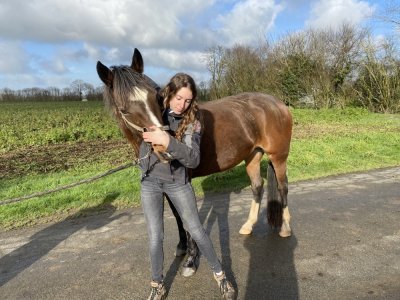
185, 154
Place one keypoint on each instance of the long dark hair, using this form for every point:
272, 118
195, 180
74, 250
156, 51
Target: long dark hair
191, 114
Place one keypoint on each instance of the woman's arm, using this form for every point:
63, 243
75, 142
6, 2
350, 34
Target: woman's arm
186, 152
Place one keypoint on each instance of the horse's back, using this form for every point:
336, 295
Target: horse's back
256, 111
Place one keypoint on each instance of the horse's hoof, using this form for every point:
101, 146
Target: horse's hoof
285, 233
189, 267
245, 230
188, 271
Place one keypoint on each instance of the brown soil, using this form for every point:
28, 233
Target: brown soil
53, 158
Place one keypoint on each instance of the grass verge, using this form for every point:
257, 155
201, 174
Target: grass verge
325, 142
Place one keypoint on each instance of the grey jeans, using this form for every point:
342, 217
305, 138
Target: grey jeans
183, 198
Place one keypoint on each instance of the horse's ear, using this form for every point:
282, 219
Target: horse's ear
105, 74
137, 61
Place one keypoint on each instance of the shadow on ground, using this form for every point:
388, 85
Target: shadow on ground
271, 270
47, 239
272, 273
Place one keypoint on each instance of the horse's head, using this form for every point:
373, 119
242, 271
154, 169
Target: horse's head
133, 98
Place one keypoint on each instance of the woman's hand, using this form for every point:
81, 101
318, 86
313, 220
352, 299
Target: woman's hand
156, 136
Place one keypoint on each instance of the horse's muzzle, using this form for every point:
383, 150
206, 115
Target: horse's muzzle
161, 153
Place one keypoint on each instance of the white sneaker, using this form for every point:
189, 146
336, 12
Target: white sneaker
225, 287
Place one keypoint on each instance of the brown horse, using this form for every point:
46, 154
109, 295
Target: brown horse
236, 128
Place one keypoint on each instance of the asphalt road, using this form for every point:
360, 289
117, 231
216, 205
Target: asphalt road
345, 245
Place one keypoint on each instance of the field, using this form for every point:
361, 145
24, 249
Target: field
47, 144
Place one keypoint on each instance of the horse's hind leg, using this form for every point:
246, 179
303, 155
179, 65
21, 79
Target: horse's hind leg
253, 170
278, 211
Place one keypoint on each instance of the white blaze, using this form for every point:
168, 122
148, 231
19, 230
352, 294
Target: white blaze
141, 96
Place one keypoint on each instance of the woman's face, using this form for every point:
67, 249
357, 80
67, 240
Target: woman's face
181, 101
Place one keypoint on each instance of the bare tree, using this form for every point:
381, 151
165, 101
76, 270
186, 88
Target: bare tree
8, 94
244, 71
81, 88
390, 13
216, 66
55, 93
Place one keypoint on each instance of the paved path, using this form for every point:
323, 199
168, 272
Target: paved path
345, 245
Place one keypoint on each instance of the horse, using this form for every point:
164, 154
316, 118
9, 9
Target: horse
236, 128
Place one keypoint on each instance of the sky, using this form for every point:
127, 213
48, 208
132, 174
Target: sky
51, 43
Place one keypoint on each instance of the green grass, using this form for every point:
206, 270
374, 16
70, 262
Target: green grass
43, 123
330, 142
119, 189
325, 142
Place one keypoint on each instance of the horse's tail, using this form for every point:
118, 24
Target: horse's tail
275, 205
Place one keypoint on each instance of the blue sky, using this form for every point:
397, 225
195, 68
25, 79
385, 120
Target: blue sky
51, 43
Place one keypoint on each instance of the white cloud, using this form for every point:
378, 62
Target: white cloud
174, 59
333, 13
248, 21
55, 66
118, 22
20, 81
172, 35
13, 59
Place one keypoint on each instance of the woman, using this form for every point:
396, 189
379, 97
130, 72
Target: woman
182, 143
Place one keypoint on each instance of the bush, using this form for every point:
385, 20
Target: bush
313, 68
378, 84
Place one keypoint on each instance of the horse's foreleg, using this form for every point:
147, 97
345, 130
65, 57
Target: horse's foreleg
182, 246
253, 170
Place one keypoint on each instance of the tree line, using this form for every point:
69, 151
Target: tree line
77, 91
314, 68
